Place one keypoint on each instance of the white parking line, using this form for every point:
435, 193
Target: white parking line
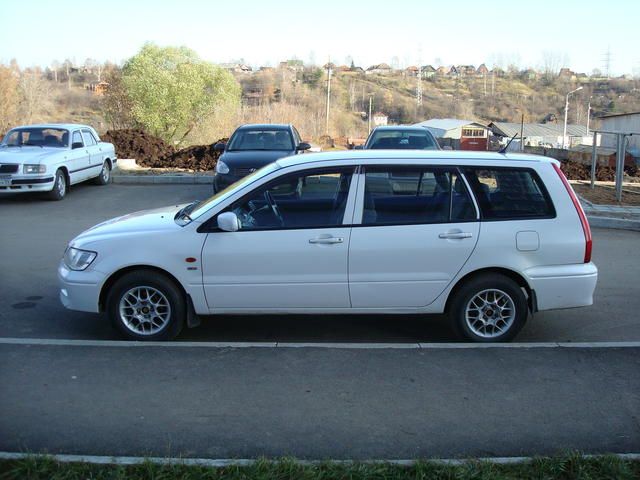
333, 345
243, 462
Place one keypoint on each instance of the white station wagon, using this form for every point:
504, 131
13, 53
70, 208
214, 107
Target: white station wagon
485, 237
50, 158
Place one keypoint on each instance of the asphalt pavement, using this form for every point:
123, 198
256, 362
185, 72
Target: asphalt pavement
318, 403
92, 396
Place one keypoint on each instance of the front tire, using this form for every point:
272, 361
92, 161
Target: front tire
105, 175
489, 308
60, 186
145, 305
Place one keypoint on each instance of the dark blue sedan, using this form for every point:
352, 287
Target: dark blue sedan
252, 147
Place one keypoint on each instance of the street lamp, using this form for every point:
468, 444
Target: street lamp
589, 114
566, 112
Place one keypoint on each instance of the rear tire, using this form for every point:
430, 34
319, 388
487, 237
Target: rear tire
489, 308
105, 175
60, 186
145, 305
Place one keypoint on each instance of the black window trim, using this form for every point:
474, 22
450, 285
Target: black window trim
211, 225
414, 167
536, 178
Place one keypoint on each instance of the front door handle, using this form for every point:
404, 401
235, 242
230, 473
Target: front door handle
326, 240
455, 235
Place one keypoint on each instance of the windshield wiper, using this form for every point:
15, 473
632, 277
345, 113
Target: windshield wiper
186, 210
32, 145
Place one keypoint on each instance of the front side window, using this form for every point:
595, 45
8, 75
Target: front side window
302, 200
263, 139
77, 138
509, 193
397, 196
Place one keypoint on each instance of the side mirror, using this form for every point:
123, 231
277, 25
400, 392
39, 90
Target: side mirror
75, 145
220, 147
228, 221
303, 146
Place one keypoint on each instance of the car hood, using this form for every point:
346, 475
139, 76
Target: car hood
145, 221
30, 154
253, 158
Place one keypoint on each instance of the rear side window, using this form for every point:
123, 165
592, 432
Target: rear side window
509, 193
406, 196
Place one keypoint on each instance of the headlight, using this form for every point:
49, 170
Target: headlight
34, 168
222, 168
77, 259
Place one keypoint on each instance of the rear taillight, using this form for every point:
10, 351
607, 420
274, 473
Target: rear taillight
581, 214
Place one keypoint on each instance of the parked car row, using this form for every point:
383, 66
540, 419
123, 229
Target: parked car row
50, 158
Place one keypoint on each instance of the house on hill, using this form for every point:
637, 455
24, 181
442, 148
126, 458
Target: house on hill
428, 71
482, 70
380, 69
466, 70
411, 71
380, 119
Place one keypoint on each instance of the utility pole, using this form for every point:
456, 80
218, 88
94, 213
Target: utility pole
589, 113
328, 92
419, 88
370, 104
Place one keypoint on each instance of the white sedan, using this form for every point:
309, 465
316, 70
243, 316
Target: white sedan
50, 158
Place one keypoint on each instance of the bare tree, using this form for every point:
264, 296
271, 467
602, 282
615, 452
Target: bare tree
9, 98
34, 91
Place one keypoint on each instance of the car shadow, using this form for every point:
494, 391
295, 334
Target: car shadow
322, 329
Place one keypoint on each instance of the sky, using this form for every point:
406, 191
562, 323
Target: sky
264, 32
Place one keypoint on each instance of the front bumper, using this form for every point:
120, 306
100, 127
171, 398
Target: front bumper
25, 183
80, 290
563, 286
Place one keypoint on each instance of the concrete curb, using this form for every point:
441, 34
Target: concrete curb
613, 223
246, 462
163, 179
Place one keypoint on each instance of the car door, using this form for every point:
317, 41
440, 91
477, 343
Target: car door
291, 249
95, 156
417, 228
79, 159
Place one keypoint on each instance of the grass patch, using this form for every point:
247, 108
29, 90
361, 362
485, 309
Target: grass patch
572, 466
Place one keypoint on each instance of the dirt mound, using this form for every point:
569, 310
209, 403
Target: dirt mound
198, 157
138, 144
580, 171
153, 152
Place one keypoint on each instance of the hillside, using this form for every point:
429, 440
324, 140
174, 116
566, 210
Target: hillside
298, 95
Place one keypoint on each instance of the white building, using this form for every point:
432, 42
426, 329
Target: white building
625, 123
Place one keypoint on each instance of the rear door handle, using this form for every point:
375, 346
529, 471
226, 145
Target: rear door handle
455, 235
326, 240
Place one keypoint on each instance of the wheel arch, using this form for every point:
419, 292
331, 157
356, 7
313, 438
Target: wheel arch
108, 160
65, 171
512, 274
118, 274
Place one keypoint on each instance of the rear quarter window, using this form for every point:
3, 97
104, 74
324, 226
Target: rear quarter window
509, 193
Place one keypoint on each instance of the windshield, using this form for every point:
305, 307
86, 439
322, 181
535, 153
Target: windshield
37, 137
199, 208
261, 139
401, 139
